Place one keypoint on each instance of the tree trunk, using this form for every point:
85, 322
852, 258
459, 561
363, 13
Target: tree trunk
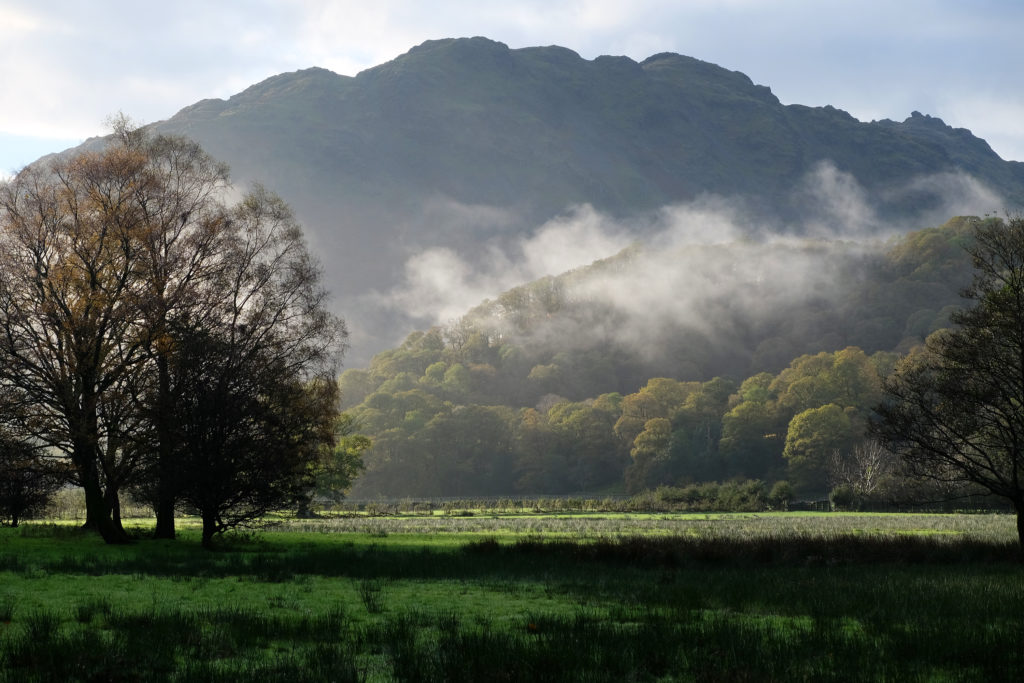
164, 518
99, 513
304, 509
165, 485
114, 501
1019, 505
209, 530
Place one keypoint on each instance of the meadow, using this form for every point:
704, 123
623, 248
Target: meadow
522, 595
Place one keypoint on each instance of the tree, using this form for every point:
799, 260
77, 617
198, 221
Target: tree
953, 410
541, 466
866, 470
752, 440
71, 339
112, 257
781, 495
650, 453
27, 480
658, 398
584, 433
184, 239
249, 430
340, 463
812, 437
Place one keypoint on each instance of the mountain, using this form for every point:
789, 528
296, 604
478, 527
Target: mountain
468, 145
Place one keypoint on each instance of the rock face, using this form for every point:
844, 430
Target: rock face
466, 144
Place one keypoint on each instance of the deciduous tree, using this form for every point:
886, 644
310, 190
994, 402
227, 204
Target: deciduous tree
27, 479
953, 410
249, 430
112, 259
71, 334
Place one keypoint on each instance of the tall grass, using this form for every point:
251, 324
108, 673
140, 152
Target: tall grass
671, 640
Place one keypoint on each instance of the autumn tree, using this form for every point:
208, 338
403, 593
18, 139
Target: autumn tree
71, 335
184, 244
953, 410
112, 257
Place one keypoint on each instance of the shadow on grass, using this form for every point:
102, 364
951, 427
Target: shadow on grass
264, 562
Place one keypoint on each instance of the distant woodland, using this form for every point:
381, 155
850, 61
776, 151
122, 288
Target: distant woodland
560, 386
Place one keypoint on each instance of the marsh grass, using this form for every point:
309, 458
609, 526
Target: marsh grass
371, 593
590, 598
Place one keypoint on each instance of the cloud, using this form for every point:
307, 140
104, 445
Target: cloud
441, 284
950, 194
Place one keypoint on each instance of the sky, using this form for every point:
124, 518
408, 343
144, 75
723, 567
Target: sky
69, 65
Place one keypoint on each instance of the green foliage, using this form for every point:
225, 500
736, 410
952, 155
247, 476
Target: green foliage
522, 352
844, 497
812, 437
732, 496
781, 495
341, 463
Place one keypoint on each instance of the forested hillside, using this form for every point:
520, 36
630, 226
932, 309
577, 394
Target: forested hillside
657, 367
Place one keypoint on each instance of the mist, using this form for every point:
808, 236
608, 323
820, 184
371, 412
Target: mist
690, 261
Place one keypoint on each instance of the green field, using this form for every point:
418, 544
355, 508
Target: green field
485, 596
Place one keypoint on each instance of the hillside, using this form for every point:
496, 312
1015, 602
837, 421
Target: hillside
468, 145
563, 384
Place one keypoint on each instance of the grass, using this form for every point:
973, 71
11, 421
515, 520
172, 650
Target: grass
595, 598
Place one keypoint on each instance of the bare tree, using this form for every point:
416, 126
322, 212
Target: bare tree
865, 469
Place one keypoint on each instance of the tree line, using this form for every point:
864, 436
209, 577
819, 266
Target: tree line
493, 404
941, 421
158, 338
784, 426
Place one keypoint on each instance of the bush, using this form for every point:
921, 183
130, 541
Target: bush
746, 495
844, 497
781, 495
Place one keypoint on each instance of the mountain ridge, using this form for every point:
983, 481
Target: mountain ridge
468, 145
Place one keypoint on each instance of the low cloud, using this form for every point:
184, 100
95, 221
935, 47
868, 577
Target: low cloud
712, 253
441, 283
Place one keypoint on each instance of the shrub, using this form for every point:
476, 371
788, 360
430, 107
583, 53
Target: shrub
844, 497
